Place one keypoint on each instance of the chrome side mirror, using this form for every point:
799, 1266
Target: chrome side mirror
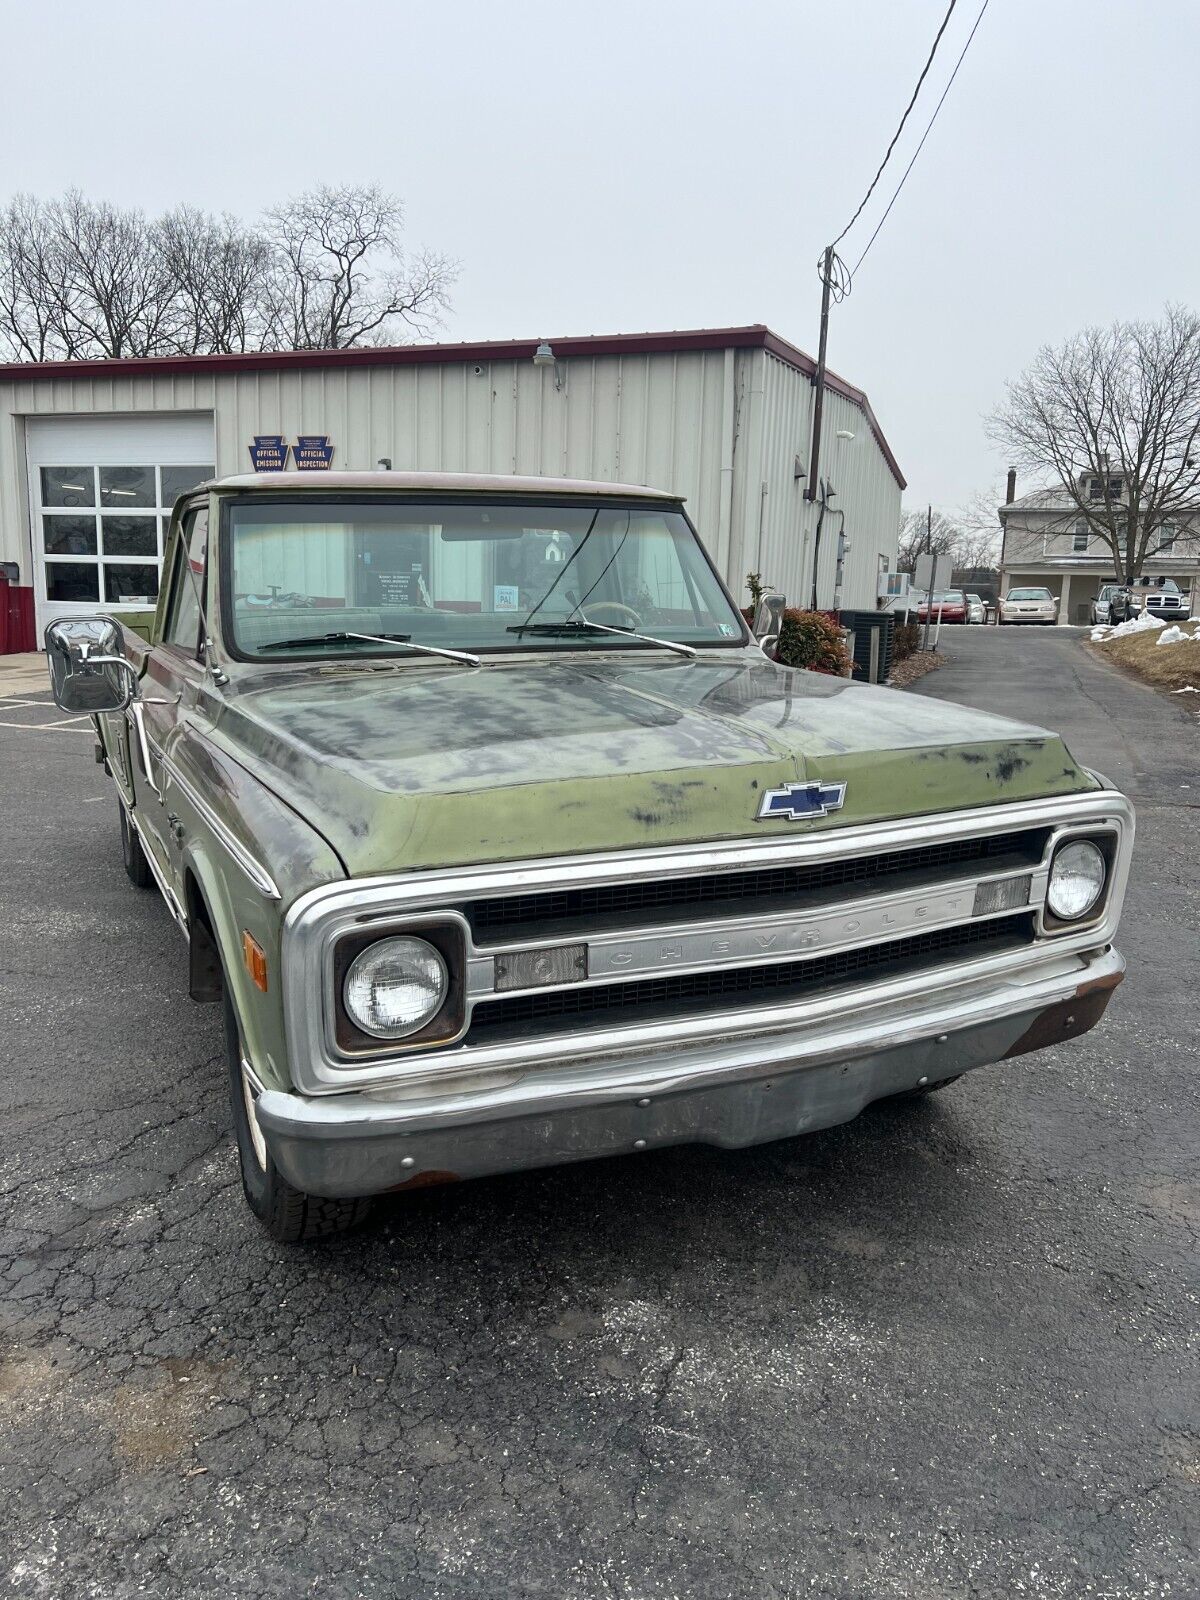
87, 670
768, 617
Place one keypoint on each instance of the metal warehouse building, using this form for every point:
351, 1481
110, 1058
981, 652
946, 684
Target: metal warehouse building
93, 453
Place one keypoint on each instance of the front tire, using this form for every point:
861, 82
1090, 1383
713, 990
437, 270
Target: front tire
137, 868
288, 1214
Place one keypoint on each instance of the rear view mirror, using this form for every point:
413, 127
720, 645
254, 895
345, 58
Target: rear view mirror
768, 616
87, 670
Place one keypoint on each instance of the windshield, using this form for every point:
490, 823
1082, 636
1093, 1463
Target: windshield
474, 575
1030, 594
950, 597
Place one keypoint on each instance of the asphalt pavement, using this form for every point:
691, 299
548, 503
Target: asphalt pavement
946, 1350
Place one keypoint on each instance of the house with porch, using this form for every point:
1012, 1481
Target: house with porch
1047, 543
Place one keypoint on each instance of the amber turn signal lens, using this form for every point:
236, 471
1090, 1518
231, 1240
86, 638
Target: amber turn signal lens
255, 958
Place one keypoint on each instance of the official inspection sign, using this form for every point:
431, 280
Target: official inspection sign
312, 452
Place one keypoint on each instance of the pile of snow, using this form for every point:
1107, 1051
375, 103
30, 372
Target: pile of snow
1173, 635
1187, 690
1138, 624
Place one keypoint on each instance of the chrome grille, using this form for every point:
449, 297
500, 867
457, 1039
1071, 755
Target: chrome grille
652, 999
513, 917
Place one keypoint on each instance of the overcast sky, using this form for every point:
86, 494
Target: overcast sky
622, 166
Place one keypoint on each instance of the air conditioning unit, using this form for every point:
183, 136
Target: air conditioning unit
893, 586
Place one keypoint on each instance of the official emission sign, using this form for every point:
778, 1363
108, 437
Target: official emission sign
312, 452
269, 452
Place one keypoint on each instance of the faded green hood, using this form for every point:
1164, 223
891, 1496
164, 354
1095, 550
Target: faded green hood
429, 765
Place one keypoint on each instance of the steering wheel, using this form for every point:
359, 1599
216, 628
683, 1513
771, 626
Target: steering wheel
628, 616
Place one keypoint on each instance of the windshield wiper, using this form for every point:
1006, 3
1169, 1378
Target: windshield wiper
574, 625
402, 639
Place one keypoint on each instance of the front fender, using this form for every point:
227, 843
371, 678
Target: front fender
245, 858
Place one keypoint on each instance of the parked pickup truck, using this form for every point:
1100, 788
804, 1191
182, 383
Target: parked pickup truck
503, 842
1161, 597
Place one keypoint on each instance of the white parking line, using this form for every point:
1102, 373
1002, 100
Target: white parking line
65, 726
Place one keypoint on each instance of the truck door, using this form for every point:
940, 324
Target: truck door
172, 679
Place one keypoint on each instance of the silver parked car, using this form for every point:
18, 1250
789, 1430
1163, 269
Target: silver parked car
1101, 604
976, 610
1029, 605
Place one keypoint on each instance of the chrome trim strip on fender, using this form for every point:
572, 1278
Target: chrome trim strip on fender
253, 868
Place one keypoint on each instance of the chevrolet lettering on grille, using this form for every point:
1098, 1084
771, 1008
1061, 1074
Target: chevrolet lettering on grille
770, 940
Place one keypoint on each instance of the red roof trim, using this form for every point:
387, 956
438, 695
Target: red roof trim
755, 336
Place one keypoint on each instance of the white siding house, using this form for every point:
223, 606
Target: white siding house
721, 416
1048, 544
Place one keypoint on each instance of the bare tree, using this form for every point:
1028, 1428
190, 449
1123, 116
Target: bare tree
114, 295
222, 276
83, 278
1112, 417
962, 535
342, 277
29, 288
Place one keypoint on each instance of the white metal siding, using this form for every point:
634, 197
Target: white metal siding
721, 427
866, 492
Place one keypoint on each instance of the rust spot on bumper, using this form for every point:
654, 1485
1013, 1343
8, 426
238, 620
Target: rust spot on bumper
1067, 1019
424, 1180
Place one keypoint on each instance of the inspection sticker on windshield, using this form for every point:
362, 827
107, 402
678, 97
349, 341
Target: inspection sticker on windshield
505, 597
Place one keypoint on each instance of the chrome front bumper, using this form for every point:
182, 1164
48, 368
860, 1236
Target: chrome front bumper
729, 1091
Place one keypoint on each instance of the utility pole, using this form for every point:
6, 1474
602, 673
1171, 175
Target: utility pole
814, 454
928, 592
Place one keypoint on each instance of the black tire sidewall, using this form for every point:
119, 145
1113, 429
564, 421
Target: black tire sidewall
288, 1214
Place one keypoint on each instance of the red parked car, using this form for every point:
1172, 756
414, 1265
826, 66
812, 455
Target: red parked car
952, 604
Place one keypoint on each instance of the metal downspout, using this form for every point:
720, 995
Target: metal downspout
724, 552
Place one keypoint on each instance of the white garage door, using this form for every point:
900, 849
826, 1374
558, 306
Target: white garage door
100, 495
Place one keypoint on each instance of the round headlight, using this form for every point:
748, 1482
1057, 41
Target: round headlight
395, 987
1076, 880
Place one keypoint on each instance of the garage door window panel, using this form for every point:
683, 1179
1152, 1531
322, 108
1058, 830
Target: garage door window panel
68, 486
124, 487
178, 480
73, 581
130, 536
130, 583
69, 536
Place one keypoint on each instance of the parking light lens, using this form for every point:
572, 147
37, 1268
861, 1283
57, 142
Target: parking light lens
1077, 877
395, 987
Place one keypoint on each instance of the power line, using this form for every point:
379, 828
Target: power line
903, 120
924, 136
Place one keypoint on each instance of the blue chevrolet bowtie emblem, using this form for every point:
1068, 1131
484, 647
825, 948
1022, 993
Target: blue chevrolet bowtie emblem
798, 802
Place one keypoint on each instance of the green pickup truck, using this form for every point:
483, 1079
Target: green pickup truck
504, 842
